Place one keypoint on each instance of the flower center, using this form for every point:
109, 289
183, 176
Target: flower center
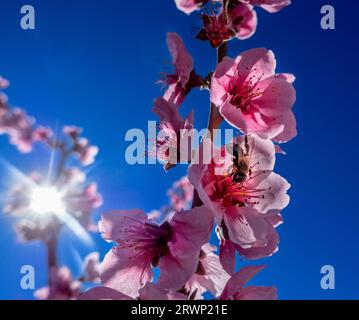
216, 29
244, 93
149, 240
231, 192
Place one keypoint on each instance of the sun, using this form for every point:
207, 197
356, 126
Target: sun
47, 200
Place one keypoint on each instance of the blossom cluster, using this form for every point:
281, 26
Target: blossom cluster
15, 123
231, 193
64, 286
236, 193
64, 185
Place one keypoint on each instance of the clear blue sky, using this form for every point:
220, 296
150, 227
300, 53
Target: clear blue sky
95, 63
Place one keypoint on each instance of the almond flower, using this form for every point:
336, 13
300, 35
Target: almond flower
4, 83
81, 146
181, 194
91, 269
252, 98
173, 129
236, 20
180, 197
62, 286
19, 126
173, 246
184, 78
20, 129
234, 289
189, 6
245, 196
271, 6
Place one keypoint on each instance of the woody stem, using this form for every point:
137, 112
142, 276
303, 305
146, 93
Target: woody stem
51, 238
215, 118
51, 244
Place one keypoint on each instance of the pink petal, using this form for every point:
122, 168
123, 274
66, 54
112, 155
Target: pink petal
267, 238
248, 20
238, 280
152, 292
258, 63
191, 229
187, 6
257, 293
121, 271
275, 196
278, 95
227, 256
220, 80
215, 273
271, 6
182, 60
176, 272
262, 152
103, 293
168, 112
112, 222
239, 230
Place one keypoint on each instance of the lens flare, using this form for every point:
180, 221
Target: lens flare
47, 200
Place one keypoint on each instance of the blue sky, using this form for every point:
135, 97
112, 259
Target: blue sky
95, 63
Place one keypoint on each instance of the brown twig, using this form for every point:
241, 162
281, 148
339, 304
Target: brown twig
215, 119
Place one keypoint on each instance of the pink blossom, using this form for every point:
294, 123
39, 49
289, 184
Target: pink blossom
19, 127
92, 267
62, 286
82, 201
243, 20
181, 194
81, 146
103, 293
149, 292
234, 289
184, 79
3, 109
153, 292
188, 6
172, 132
271, 6
173, 246
85, 151
42, 134
28, 230
236, 20
252, 98
243, 197
180, 198
72, 131
4, 83
209, 276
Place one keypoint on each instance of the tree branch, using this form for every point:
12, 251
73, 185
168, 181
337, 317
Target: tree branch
215, 119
